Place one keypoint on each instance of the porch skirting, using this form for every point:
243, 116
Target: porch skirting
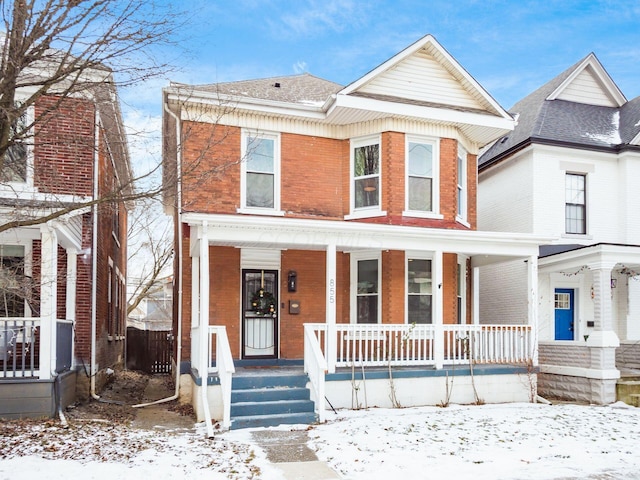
27, 398
577, 388
413, 387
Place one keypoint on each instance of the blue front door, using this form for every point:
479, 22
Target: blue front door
564, 313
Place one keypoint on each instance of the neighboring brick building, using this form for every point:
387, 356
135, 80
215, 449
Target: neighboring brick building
63, 280
341, 205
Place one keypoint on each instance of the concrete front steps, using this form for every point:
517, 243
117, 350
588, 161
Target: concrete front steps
270, 397
628, 388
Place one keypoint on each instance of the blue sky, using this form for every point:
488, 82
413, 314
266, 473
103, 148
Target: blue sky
510, 47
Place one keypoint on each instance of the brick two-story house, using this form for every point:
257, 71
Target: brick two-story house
569, 170
338, 225
62, 320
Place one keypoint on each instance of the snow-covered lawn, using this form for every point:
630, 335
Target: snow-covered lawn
508, 441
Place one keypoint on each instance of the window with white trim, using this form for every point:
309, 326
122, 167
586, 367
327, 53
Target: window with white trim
419, 291
461, 290
575, 203
260, 180
461, 176
422, 183
17, 158
365, 275
365, 161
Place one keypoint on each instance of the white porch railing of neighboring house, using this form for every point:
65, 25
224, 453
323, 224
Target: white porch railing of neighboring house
21, 347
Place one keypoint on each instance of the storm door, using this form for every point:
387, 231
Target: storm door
259, 314
564, 313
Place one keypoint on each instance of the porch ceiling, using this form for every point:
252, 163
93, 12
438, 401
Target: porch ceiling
287, 233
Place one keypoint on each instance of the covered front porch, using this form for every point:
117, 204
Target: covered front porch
450, 334
39, 283
590, 320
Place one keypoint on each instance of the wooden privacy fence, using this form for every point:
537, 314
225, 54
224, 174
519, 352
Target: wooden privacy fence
149, 351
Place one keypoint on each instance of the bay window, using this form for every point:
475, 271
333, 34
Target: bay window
419, 291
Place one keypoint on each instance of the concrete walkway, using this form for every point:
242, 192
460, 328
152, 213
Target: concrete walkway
288, 451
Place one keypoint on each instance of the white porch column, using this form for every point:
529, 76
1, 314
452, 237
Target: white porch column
475, 301
72, 285
48, 301
633, 309
331, 341
436, 286
532, 308
603, 341
204, 304
195, 304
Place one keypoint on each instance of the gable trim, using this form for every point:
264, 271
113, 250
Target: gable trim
453, 64
602, 76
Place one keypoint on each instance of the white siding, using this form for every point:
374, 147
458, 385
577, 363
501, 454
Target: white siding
503, 293
505, 197
586, 88
421, 77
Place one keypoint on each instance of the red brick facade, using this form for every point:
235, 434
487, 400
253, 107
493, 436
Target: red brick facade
314, 183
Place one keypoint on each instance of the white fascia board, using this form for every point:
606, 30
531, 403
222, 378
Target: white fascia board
602, 75
571, 261
217, 100
437, 114
350, 236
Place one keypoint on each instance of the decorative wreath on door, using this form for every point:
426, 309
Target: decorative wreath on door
263, 302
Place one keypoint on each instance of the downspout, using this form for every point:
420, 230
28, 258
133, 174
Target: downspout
94, 262
179, 276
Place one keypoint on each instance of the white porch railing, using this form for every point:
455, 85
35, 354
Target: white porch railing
223, 366
315, 366
21, 344
372, 345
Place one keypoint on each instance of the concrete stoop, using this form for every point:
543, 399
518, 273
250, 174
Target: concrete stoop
628, 389
265, 400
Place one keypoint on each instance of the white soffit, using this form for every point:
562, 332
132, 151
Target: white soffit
589, 83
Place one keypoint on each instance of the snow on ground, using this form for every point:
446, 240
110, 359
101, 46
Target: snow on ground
507, 441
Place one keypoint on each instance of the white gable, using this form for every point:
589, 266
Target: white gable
589, 83
422, 78
586, 88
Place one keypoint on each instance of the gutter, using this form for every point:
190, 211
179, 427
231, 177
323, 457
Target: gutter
94, 263
179, 276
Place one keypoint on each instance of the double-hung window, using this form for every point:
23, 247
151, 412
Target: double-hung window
461, 176
422, 189
365, 161
12, 281
575, 203
260, 182
366, 286
419, 291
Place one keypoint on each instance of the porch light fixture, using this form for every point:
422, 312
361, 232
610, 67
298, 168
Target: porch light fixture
614, 282
292, 281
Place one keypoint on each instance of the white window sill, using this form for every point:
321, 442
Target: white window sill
365, 214
463, 222
577, 236
416, 214
260, 211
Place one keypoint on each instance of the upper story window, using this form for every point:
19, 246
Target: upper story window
575, 203
365, 283
366, 173
461, 176
422, 185
260, 180
419, 291
16, 159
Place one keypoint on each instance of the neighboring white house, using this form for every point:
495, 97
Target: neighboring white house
569, 170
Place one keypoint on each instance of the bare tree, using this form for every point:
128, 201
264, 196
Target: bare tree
150, 251
62, 50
